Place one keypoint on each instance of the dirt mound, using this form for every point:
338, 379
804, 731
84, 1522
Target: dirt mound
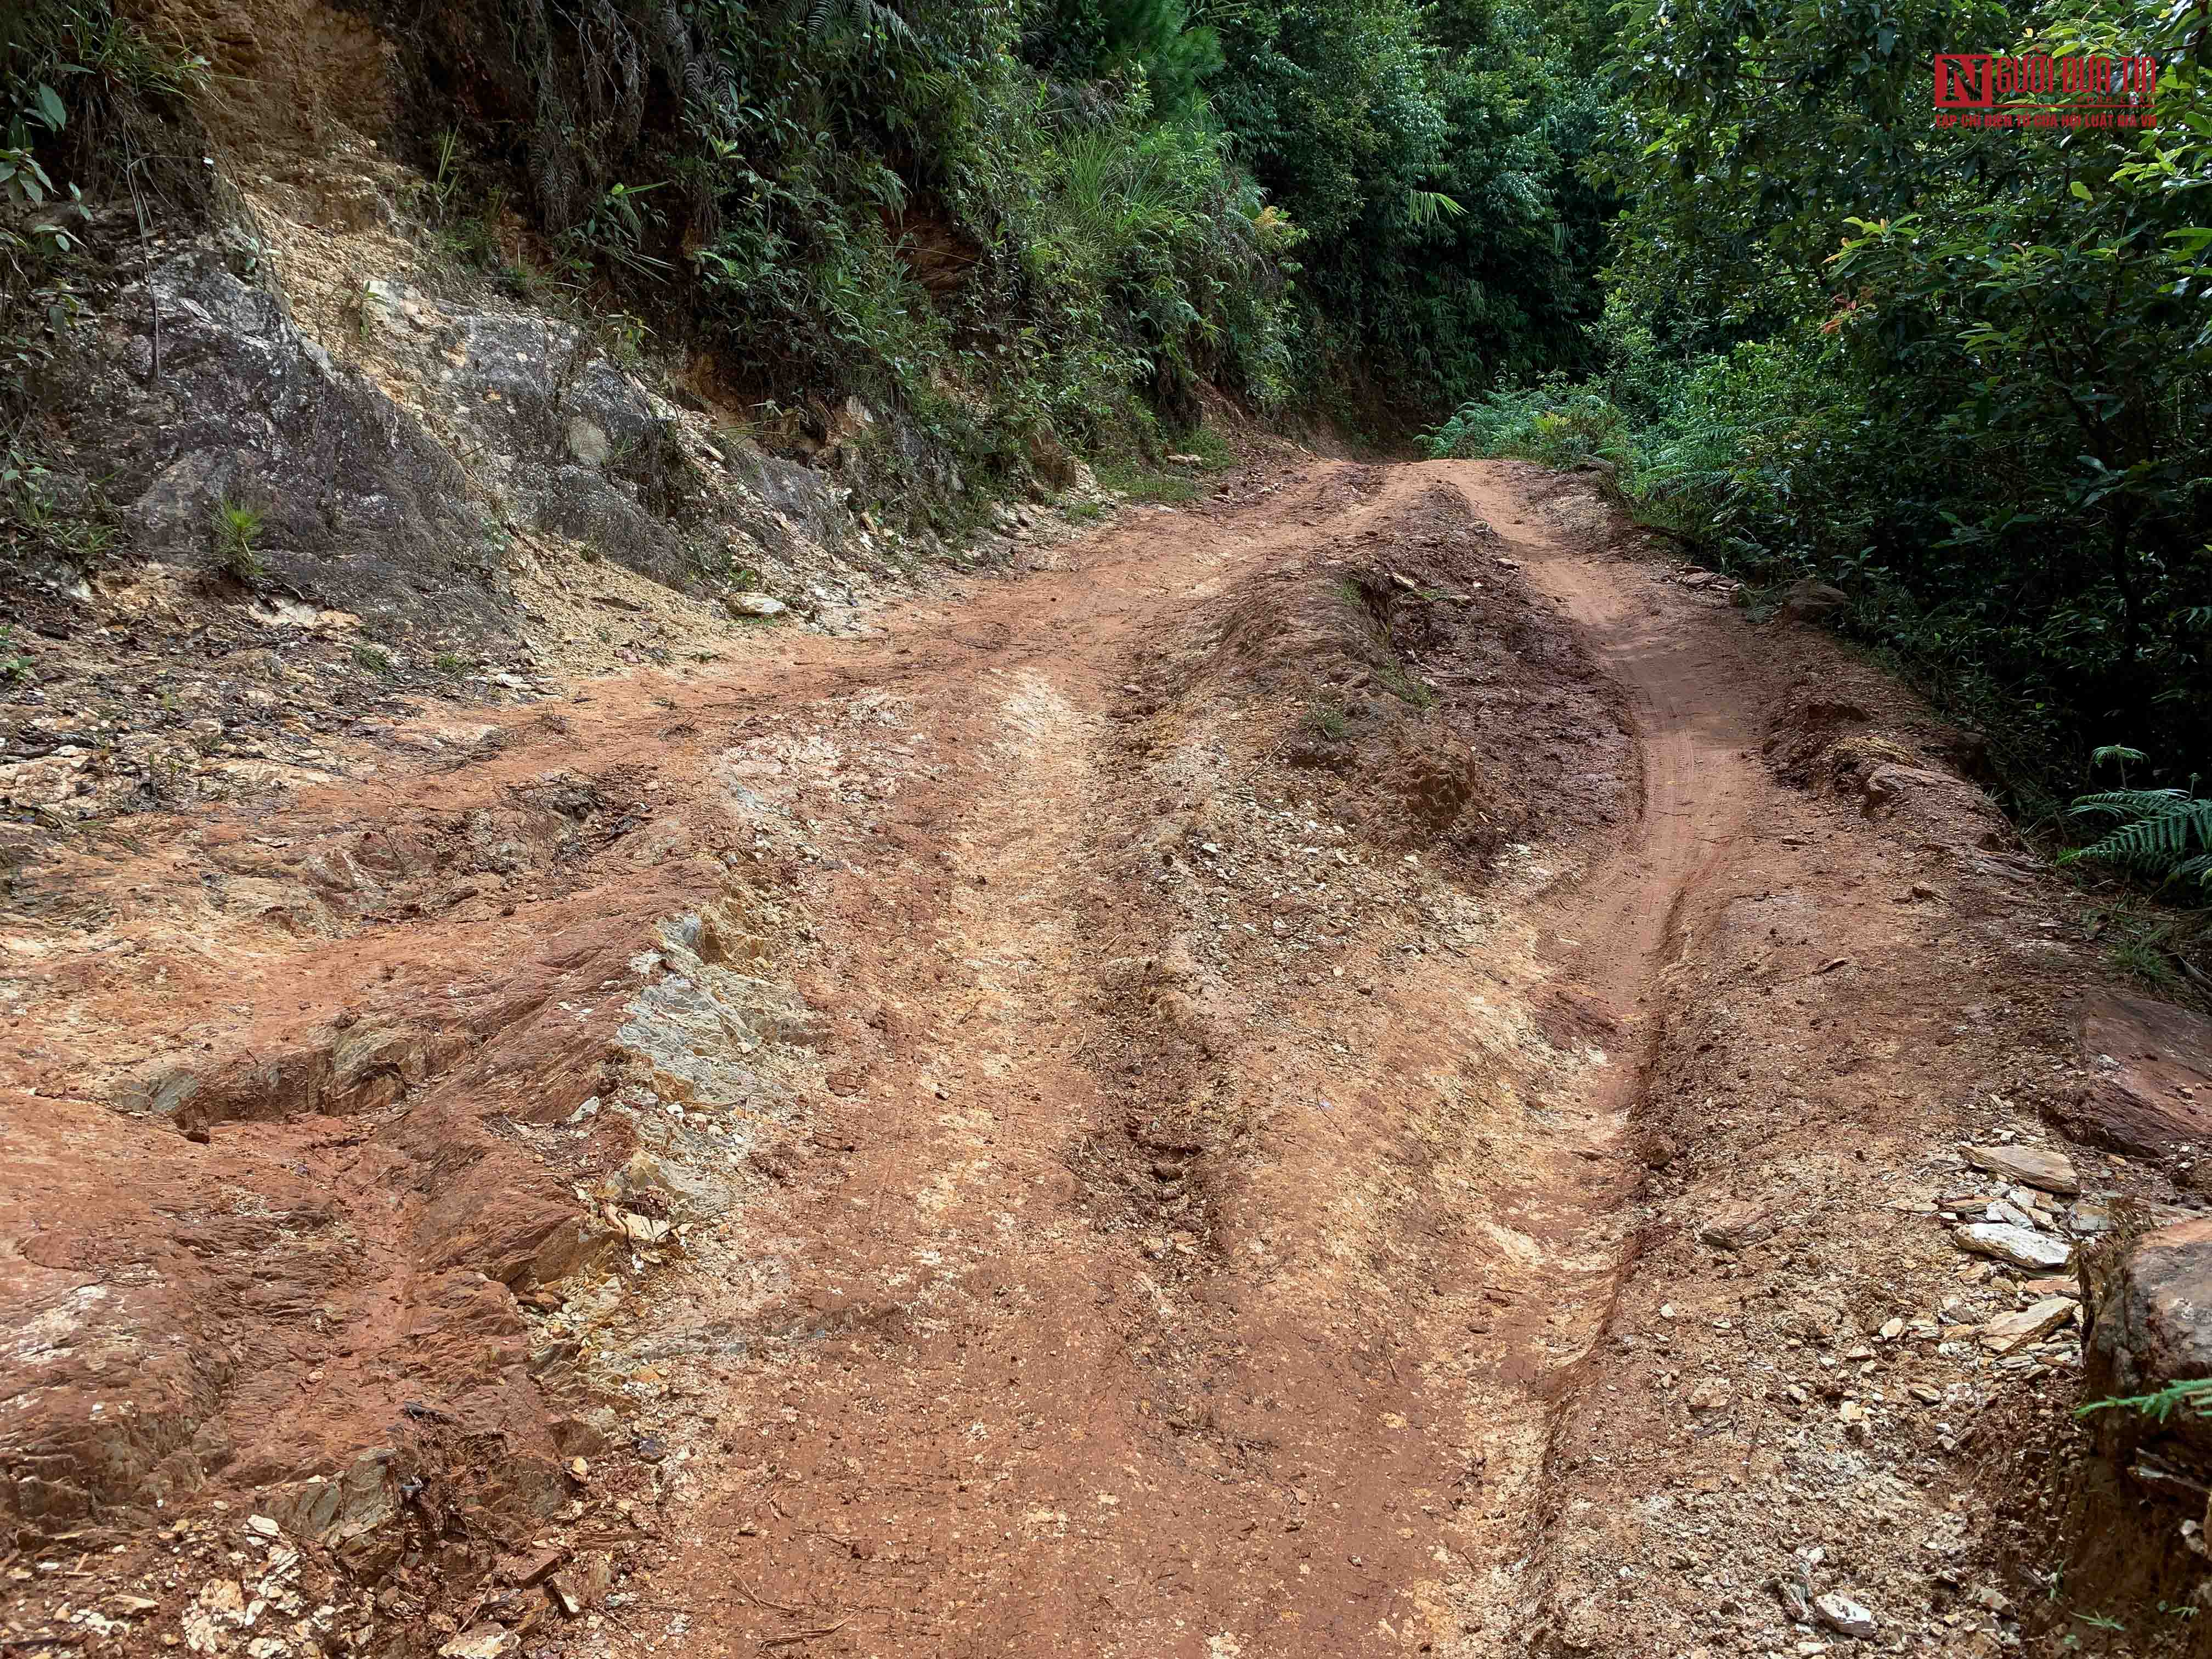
1431, 698
1860, 737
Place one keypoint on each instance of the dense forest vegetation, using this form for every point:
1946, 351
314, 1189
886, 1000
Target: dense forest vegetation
1722, 245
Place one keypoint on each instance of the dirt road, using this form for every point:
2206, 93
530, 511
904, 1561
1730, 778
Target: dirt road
1357, 1070
1189, 1289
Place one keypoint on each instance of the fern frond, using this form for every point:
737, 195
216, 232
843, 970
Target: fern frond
2162, 832
821, 17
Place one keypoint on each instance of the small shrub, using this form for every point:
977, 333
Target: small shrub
374, 658
1327, 721
2146, 953
1134, 481
1214, 452
448, 662
237, 532
1404, 686
15, 665
37, 517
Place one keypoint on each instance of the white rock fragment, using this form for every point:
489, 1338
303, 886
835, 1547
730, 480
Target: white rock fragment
2019, 1247
1844, 1616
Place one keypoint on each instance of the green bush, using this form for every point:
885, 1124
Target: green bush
87, 103
1554, 422
237, 531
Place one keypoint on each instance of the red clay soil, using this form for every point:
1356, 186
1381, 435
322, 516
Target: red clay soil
1362, 1069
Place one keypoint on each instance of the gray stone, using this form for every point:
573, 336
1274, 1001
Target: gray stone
360, 507
2020, 1247
2087, 1218
753, 605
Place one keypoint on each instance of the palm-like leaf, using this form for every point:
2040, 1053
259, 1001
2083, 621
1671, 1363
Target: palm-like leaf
1425, 207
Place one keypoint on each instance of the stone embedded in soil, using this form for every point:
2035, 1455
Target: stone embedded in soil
753, 604
482, 1642
1809, 600
1707, 1395
1844, 1616
1737, 1226
351, 1513
2030, 1166
2038, 1319
2020, 1247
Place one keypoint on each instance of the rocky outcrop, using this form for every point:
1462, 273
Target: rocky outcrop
2152, 1329
2151, 1078
560, 436
210, 395
393, 463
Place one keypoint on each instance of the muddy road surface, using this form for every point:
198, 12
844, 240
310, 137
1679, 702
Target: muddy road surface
1368, 1067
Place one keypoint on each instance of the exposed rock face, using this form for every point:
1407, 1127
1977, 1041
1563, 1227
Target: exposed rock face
217, 397
2152, 1328
574, 442
2151, 1069
393, 466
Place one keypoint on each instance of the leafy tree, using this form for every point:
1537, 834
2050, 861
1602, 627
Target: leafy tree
1120, 40
1434, 155
1966, 375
